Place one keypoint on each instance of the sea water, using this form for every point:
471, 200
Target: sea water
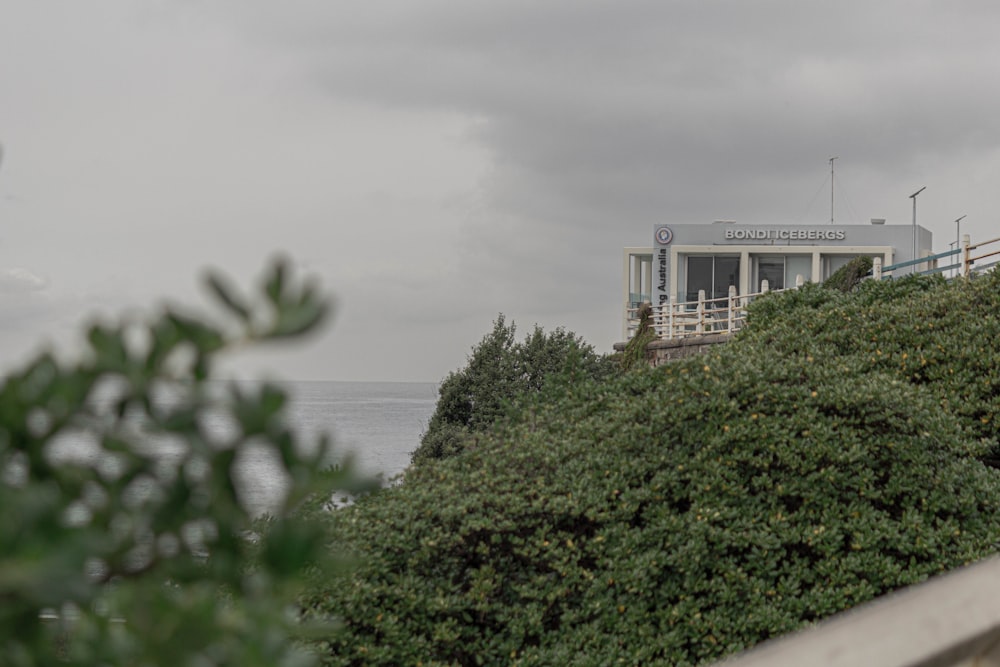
377, 424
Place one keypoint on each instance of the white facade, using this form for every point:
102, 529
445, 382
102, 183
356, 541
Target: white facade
685, 259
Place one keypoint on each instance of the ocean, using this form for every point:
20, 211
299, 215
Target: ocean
377, 424
380, 423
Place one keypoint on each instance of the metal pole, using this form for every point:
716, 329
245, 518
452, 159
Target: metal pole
831, 189
914, 198
965, 256
958, 238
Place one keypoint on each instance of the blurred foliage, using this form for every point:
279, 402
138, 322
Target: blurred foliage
128, 535
829, 454
500, 371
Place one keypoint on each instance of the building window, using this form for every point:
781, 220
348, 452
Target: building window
713, 274
781, 271
772, 269
640, 272
798, 266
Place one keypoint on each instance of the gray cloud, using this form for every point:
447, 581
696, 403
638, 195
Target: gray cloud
437, 162
19, 280
644, 110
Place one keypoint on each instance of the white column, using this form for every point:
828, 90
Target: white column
648, 282
675, 261
731, 307
701, 312
636, 285
745, 287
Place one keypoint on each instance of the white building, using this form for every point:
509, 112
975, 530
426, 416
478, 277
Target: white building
687, 258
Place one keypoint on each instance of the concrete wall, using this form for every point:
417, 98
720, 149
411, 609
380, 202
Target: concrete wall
660, 352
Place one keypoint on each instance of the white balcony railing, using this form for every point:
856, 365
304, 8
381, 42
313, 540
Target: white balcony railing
679, 319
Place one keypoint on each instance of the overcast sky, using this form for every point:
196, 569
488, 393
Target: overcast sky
436, 163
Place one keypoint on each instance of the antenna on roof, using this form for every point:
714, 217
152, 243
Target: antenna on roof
831, 188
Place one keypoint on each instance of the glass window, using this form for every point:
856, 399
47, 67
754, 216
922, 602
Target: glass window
798, 265
772, 269
699, 276
727, 272
781, 271
712, 274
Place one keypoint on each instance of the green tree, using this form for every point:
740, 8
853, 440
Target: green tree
499, 372
634, 354
829, 454
847, 277
126, 536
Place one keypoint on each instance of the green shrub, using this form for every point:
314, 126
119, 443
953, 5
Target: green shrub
442, 441
847, 277
634, 354
499, 372
142, 555
671, 516
919, 330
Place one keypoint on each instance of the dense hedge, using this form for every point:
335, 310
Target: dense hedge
498, 373
671, 516
924, 331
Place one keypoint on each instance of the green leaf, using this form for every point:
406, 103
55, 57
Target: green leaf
141, 517
227, 296
206, 338
108, 346
274, 283
298, 319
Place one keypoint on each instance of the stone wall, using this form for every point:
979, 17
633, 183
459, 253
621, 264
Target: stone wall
661, 351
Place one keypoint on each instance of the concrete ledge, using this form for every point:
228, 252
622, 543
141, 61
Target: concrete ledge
661, 351
949, 621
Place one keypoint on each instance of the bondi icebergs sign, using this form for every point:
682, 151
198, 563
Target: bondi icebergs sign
791, 234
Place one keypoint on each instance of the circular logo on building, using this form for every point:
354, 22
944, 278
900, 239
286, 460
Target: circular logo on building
664, 235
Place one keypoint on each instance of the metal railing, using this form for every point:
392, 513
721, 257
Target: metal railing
969, 260
964, 261
727, 314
